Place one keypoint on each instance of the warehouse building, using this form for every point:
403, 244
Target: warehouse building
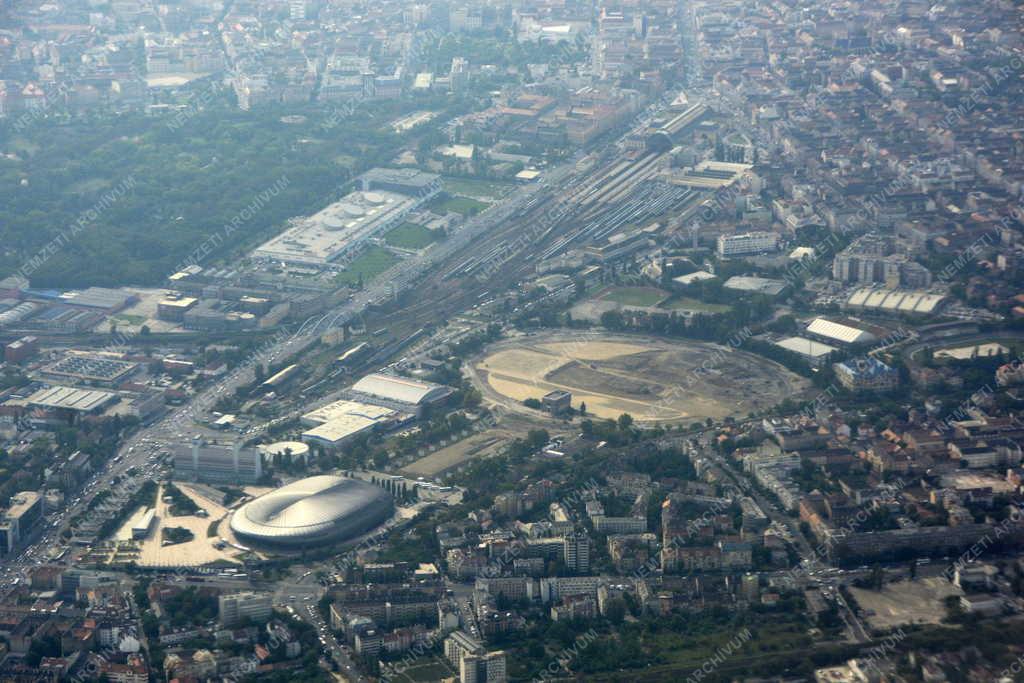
21, 349
103, 298
72, 400
402, 391
895, 301
91, 369
338, 422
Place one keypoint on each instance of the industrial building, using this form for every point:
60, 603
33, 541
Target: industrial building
313, 511
72, 399
406, 181
91, 369
218, 464
21, 349
174, 308
336, 423
400, 390
895, 301
109, 300
338, 230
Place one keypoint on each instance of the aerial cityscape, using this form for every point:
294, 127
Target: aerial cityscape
512, 340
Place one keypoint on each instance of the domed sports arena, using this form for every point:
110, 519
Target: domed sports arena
313, 511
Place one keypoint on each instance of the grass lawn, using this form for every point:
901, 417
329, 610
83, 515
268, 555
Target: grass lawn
463, 205
369, 264
130, 318
410, 236
24, 146
678, 303
346, 161
88, 186
482, 189
434, 670
633, 296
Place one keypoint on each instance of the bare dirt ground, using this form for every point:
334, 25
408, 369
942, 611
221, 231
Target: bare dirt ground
906, 602
480, 445
653, 380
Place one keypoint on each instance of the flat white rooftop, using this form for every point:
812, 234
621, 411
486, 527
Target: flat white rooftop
323, 237
71, 398
806, 347
343, 408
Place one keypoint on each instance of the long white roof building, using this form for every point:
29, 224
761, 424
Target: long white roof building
847, 334
400, 389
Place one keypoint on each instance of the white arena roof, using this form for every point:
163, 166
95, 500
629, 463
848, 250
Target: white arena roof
313, 511
841, 333
400, 389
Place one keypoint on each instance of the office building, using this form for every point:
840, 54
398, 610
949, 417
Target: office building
18, 521
233, 609
747, 243
460, 644
217, 464
576, 549
489, 667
